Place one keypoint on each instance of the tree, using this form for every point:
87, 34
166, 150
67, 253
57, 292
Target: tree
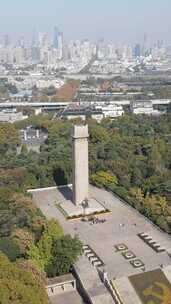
41, 253
132, 151
10, 248
66, 251
98, 133
23, 238
18, 286
137, 193
50, 91
18, 211
136, 177
163, 224
31, 267
104, 179
155, 161
12, 177
24, 149
55, 252
10, 141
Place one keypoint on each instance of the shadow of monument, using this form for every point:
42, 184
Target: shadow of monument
59, 177
66, 192
62, 183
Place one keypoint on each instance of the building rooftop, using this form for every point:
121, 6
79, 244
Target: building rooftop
61, 279
81, 110
22, 94
143, 287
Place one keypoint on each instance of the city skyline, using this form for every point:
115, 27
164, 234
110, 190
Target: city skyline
123, 22
6, 39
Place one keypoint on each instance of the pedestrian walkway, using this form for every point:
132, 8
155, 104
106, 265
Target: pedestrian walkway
90, 281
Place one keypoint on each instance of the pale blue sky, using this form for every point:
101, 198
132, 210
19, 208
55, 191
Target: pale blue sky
116, 20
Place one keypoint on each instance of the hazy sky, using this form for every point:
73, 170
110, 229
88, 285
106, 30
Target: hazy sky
115, 20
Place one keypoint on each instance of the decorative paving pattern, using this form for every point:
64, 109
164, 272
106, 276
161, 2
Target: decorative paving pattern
137, 263
150, 242
121, 247
92, 256
129, 255
152, 287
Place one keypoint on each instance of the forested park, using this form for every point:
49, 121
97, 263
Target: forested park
130, 156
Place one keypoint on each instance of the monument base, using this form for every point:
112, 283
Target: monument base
70, 210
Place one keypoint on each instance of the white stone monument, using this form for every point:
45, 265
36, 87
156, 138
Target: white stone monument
80, 163
82, 203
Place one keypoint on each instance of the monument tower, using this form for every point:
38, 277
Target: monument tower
80, 163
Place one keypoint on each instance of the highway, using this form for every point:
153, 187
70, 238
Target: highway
61, 105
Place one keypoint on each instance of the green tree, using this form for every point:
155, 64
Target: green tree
24, 149
41, 253
17, 211
10, 141
104, 179
10, 248
66, 251
18, 286
23, 238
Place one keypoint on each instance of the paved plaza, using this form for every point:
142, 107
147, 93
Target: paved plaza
122, 226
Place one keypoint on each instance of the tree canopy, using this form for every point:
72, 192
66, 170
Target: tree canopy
19, 286
55, 252
130, 152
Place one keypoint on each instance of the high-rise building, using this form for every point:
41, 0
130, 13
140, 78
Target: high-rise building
127, 53
145, 42
55, 37
137, 50
21, 42
19, 55
160, 44
44, 40
58, 41
35, 54
34, 41
7, 41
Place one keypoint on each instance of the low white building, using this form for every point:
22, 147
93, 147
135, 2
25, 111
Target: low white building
143, 107
111, 110
43, 83
83, 113
11, 116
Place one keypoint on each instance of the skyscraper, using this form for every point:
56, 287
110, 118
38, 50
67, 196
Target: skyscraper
34, 40
58, 42
55, 37
7, 41
21, 42
44, 41
137, 50
144, 48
